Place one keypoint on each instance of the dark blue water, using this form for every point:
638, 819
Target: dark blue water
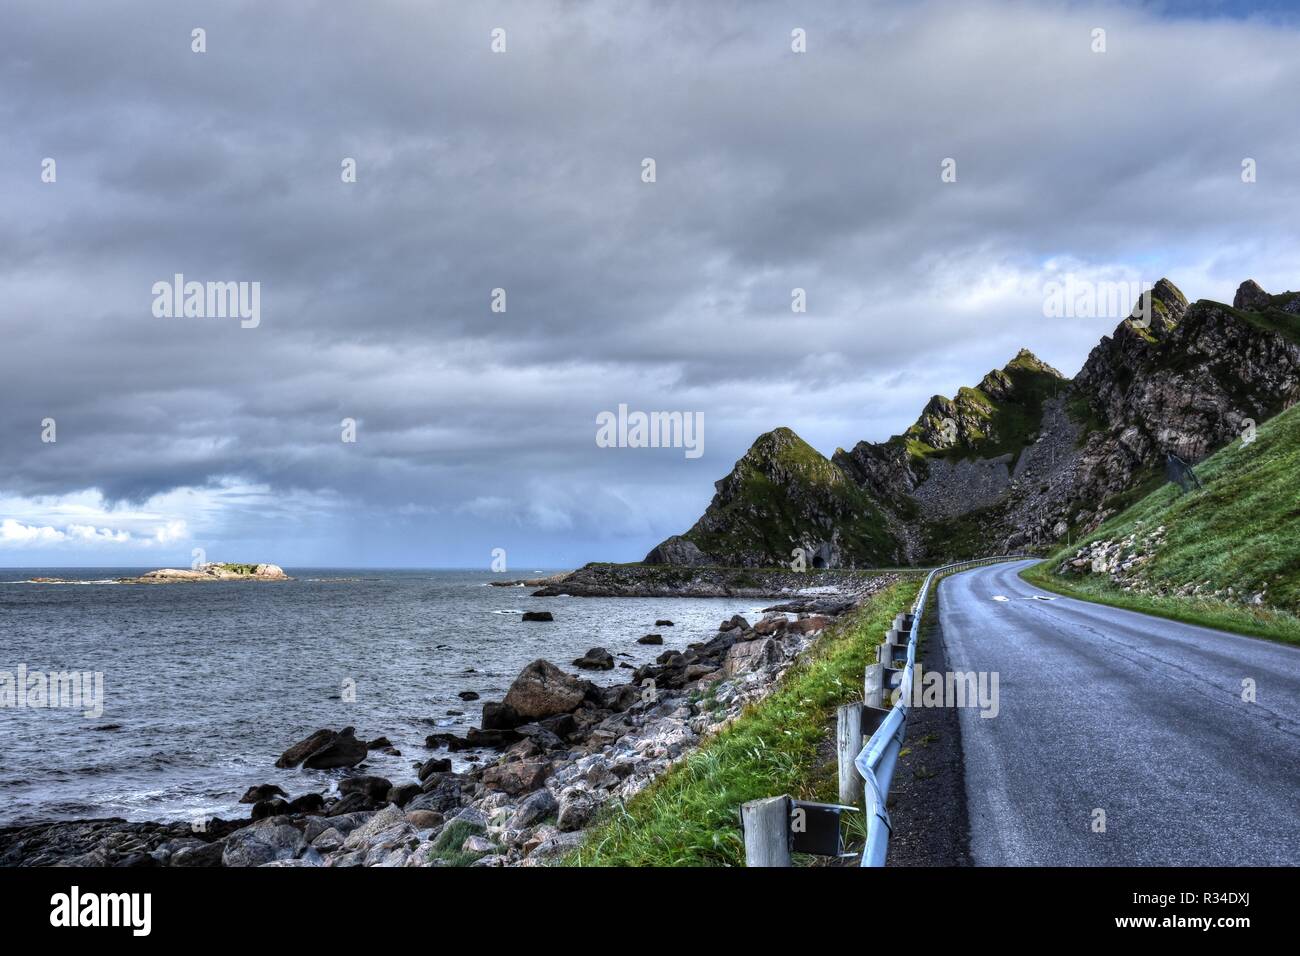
206, 684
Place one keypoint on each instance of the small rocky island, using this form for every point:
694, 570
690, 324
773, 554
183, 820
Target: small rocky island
211, 572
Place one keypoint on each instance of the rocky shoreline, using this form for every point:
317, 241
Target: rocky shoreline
652, 580
567, 748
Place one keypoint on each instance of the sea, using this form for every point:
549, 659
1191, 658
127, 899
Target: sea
205, 685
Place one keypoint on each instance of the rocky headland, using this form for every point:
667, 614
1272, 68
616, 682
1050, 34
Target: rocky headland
649, 580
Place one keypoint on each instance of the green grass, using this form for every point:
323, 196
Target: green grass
1207, 612
238, 568
690, 815
1240, 531
447, 846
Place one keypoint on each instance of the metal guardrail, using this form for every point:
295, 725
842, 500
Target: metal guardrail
879, 755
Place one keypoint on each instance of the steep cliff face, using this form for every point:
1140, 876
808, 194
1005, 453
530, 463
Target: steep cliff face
1025, 458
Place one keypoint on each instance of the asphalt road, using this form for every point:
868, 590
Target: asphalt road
1103, 709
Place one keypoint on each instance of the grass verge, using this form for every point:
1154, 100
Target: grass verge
1268, 623
690, 815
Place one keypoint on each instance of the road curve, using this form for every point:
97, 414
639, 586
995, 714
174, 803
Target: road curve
1137, 716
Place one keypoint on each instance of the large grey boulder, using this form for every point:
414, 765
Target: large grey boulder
543, 690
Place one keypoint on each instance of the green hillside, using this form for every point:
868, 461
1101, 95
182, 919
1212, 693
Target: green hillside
1227, 555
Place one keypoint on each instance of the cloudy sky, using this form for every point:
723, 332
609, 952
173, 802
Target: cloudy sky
522, 170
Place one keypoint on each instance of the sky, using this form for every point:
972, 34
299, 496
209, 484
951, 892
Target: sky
923, 171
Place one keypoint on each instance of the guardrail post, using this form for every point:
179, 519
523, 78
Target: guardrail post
767, 831
873, 685
848, 744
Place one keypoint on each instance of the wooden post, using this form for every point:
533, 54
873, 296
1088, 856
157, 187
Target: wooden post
873, 685
767, 831
848, 744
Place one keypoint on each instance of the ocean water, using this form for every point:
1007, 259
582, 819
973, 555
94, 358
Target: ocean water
205, 685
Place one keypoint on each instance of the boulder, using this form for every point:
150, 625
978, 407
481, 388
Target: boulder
748, 656
344, 750
424, 819
307, 803
651, 638
596, 659
498, 715
434, 765
538, 616
274, 807
534, 808
518, 776
406, 792
663, 623
543, 690
264, 791
352, 803
304, 749
576, 808
376, 788
468, 695
379, 743
262, 842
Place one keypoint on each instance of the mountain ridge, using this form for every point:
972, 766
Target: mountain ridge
1025, 458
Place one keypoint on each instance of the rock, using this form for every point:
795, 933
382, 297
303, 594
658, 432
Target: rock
534, 808
496, 739
307, 803
262, 792
651, 638
304, 749
442, 792
424, 819
273, 807
389, 816
379, 743
467, 695
434, 765
749, 656
406, 792
261, 843
450, 741
1250, 297
343, 751
576, 808
663, 623
554, 847
206, 854
376, 788
352, 803
477, 844
809, 625
736, 622
543, 690
519, 776
538, 616
596, 659
679, 551
498, 715
771, 625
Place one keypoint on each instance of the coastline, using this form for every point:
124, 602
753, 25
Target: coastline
553, 773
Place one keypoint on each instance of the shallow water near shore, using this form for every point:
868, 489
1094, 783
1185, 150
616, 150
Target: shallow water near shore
206, 684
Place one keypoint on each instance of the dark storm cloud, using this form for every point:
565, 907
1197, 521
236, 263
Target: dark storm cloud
522, 171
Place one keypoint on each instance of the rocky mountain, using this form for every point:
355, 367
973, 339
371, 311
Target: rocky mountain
1022, 460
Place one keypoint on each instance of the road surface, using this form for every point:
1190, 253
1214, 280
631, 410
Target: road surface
1139, 717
